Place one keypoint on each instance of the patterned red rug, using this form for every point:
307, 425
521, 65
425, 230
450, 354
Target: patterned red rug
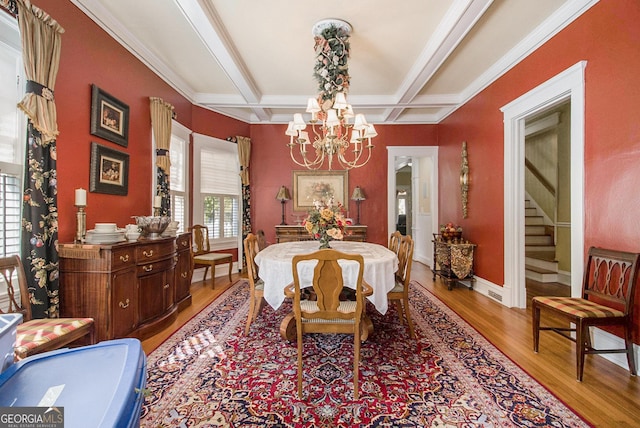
209, 374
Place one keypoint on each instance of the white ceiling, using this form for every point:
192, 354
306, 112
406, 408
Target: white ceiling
412, 61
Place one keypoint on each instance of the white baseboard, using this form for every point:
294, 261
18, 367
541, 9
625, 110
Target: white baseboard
604, 340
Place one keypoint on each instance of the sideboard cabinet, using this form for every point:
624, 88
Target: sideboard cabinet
128, 288
289, 233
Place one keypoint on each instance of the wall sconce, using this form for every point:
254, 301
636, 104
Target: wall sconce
358, 196
464, 180
283, 196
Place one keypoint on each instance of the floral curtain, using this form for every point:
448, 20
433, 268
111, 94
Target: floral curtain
41, 42
161, 114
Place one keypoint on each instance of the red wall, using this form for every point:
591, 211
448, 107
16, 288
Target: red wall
90, 56
272, 167
608, 38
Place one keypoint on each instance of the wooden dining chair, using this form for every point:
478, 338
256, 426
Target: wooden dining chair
394, 241
328, 314
204, 257
34, 336
400, 292
256, 302
607, 298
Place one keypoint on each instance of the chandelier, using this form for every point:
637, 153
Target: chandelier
333, 135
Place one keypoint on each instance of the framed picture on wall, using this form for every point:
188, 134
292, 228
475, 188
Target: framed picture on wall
309, 186
109, 117
109, 171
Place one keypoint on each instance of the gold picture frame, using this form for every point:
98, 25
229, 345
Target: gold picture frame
314, 185
109, 171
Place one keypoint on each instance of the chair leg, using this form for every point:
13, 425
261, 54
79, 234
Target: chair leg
250, 315
582, 332
206, 269
535, 310
356, 363
299, 334
631, 359
230, 266
408, 317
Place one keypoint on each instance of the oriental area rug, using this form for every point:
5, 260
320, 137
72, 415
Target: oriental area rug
209, 374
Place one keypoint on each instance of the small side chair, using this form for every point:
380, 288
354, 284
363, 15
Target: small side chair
34, 336
204, 257
607, 298
256, 303
400, 292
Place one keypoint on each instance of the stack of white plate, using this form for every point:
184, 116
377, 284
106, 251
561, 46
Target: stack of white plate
105, 233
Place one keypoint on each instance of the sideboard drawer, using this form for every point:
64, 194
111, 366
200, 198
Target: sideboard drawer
153, 266
123, 257
154, 251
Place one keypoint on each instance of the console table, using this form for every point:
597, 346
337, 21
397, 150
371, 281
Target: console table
453, 260
130, 289
289, 233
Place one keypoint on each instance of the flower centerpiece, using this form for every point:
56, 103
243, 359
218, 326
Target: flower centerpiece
326, 221
450, 231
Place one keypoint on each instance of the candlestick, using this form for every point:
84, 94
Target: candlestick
81, 197
81, 224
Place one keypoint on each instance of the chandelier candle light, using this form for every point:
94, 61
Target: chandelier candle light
330, 112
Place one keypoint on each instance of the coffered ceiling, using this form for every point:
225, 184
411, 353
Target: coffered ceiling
412, 61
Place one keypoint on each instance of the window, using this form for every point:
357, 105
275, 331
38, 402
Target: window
12, 133
217, 190
179, 152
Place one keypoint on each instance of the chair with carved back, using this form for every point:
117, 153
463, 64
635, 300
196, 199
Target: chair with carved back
329, 314
607, 298
204, 257
256, 303
400, 292
394, 241
34, 336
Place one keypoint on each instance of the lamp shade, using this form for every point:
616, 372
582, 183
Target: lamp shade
358, 194
283, 194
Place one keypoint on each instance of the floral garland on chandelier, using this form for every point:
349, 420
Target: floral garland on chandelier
331, 69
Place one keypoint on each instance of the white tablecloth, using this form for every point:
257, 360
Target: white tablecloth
275, 269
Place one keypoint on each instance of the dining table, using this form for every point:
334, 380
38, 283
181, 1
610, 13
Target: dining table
275, 269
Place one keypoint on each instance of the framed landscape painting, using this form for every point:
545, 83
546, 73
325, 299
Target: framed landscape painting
309, 186
109, 171
109, 117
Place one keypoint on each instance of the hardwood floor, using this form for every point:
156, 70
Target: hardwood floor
608, 396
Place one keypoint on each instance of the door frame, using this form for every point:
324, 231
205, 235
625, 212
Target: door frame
566, 86
414, 152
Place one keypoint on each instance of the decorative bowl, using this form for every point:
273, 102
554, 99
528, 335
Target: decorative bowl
152, 226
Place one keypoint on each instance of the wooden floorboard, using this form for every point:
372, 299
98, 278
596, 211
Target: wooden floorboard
607, 397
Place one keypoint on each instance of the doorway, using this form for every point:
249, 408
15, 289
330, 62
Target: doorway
421, 198
568, 86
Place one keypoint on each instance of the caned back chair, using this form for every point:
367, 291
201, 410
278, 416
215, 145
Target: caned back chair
608, 289
256, 303
400, 292
328, 314
37, 335
204, 257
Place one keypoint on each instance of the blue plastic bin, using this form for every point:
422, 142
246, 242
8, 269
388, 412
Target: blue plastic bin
100, 385
8, 325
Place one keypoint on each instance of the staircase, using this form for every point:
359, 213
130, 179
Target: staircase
540, 251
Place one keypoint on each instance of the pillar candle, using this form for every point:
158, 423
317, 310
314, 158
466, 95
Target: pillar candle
81, 197
157, 201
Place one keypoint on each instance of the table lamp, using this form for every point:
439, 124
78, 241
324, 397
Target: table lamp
283, 196
358, 196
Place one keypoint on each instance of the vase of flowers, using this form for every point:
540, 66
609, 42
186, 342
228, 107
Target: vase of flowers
325, 221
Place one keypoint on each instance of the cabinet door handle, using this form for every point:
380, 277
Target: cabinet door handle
184, 243
148, 254
124, 305
184, 274
124, 258
147, 268
166, 286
